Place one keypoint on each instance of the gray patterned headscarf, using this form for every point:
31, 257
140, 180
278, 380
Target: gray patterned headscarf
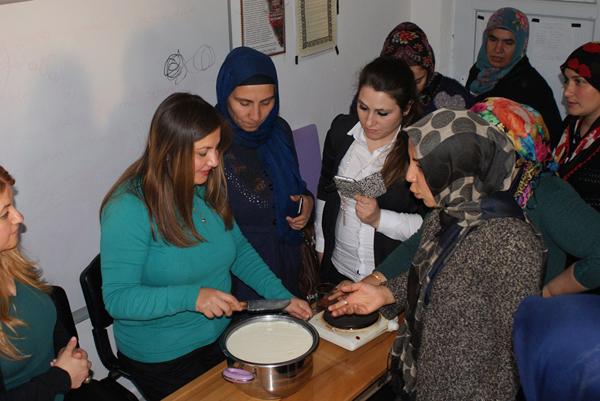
464, 160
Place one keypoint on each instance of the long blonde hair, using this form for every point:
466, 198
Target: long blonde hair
13, 266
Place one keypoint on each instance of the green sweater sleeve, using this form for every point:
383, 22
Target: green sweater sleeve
252, 270
124, 245
399, 261
567, 221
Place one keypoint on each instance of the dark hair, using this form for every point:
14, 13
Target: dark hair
166, 171
394, 77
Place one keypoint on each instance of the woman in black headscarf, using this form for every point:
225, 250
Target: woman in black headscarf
476, 261
578, 153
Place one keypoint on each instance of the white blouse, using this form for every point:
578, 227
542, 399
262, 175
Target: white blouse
353, 255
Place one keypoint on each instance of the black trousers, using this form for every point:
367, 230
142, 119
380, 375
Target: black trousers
158, 380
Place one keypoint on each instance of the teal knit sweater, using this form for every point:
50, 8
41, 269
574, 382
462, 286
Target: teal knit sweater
566, 222
150, 286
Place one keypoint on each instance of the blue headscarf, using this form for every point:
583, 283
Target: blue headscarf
270, 139
513, 21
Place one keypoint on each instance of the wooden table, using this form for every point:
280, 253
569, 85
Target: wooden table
338, 375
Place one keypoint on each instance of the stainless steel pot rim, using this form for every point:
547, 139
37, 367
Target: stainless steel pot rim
269, 318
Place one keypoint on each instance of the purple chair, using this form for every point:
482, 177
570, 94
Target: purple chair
306, 140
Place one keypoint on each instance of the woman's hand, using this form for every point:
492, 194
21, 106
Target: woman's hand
299, 308
214, 303
361, 298
74, 361
298, 222
336, 293
367, 210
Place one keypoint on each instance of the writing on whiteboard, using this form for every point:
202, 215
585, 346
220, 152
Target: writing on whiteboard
177, 67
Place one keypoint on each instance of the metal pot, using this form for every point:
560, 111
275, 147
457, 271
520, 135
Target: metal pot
269, 381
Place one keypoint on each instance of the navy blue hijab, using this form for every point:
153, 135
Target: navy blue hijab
270, 139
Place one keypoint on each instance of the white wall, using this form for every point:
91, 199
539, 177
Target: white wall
80, 79
322, 86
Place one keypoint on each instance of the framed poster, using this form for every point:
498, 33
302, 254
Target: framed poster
263, 25
316, 26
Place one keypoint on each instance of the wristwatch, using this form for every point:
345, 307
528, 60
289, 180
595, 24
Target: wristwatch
381, 279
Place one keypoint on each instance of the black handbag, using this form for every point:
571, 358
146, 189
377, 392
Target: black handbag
309, 269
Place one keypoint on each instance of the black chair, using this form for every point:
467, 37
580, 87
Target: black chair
91, 285
108, 388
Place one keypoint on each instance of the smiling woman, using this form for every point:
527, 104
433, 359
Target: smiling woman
169, 247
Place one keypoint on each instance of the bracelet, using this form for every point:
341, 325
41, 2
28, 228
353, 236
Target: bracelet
88, 379
382, 280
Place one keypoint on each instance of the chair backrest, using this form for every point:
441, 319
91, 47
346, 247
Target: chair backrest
63, 310
111, 389
306, 140
91, 285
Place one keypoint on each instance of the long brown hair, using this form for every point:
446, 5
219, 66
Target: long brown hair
13, 266
166, 169
395, 78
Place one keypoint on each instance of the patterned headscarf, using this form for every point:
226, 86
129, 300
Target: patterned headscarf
464, 160
513, 21
409, 43
585, 61
243, 65
525, 127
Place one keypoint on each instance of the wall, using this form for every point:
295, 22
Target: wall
80, 79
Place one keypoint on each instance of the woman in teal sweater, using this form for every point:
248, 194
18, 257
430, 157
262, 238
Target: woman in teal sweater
38, 360
568, 225
168, 246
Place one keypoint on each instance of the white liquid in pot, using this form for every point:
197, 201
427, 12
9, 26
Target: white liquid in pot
269, 342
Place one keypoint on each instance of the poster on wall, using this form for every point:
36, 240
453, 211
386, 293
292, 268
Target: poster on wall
316, 26
263, 25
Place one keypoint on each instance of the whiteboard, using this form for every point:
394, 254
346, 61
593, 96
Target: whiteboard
79, 82
551, 40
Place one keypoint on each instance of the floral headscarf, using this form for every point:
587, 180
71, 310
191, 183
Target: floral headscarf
514, 21
409, 43
525, 127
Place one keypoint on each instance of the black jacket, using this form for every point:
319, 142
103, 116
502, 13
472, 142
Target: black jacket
397, 198
524, 84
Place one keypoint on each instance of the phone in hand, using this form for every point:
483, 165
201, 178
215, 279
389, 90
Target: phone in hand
300, 203
347, 187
